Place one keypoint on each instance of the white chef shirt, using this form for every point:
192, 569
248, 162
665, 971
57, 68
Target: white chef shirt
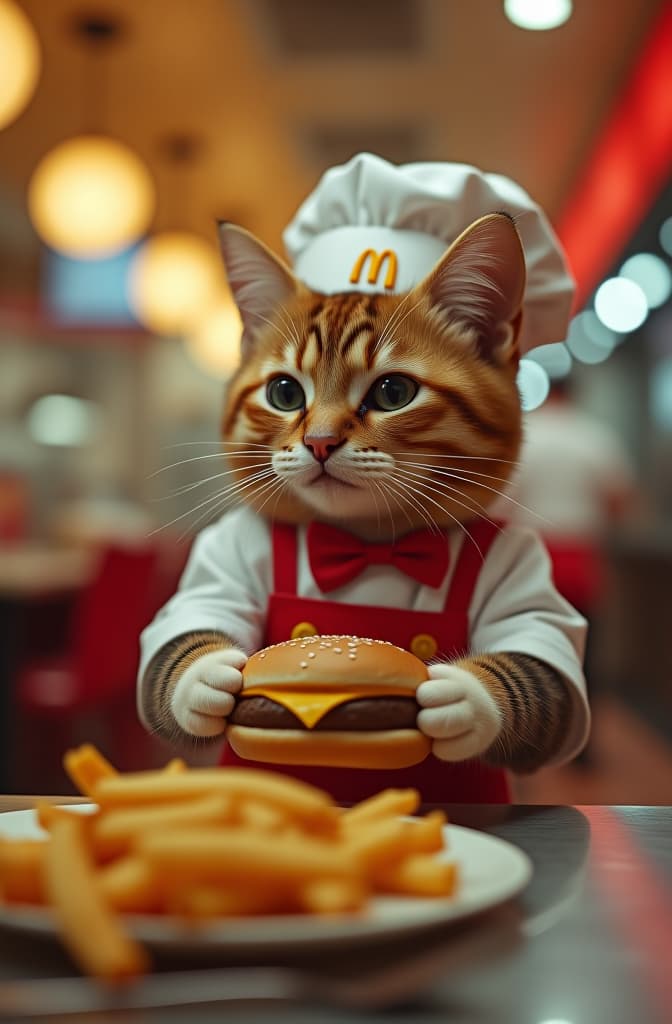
514, 608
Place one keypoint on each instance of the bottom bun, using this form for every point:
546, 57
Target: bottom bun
384, 748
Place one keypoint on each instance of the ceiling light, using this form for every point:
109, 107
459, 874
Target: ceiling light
652, 275
538, 14
621, 304
173, 279
91, 197
583, 344
214, 343
533, 384
554, 358
665, 236
660, 390
19, 61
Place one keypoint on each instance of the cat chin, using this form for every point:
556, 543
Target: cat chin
331, 497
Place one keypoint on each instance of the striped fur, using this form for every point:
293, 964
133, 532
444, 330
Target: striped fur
439, 461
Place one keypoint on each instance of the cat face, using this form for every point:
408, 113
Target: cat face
390, 412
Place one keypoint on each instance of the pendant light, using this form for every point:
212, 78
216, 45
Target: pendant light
213, 343
92, 196
19, 61
176, 274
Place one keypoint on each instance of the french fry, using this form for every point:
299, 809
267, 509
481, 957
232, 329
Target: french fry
21, 870
420, 875
383, 805
47, 813
128, 884
311, 806
378, 843
91, 932
114, 832
86, 766
203, 902
334, 895
213, 844
261, 817
242, 856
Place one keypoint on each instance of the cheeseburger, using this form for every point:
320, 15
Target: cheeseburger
330, 700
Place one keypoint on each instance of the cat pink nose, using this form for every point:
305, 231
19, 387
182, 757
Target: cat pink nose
321, 445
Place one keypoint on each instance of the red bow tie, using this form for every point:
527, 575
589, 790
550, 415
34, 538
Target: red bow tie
336, 557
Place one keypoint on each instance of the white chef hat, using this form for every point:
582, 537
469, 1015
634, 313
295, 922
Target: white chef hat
372, 226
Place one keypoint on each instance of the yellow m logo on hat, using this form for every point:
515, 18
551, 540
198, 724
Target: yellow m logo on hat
377, 260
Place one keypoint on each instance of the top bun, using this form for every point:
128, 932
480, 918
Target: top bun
335, 661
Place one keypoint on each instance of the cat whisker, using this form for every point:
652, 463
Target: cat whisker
408, 493
208, 479
201, 458
375, 486
443, 470
480, 509
227, 495
218, 442
462, 526
395, 314
495, 490
289, 325
472, 458
207, 501
276, 327
399, 322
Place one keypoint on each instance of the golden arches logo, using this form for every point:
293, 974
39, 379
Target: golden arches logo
375, 266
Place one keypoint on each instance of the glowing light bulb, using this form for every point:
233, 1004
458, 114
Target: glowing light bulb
621, 304
174, 279
19, 61
538, 15
214, 343
91, 197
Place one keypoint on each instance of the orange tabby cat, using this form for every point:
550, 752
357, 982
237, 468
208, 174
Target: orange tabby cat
383, 415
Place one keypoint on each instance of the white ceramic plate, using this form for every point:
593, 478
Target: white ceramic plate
490, 872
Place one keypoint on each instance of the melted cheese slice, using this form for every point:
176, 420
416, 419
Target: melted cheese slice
310, 706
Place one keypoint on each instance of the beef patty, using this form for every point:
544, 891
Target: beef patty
365, 715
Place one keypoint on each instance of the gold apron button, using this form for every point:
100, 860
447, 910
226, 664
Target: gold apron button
424, 646
302, 629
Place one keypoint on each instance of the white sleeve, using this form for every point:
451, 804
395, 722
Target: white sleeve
516, 608
224, 587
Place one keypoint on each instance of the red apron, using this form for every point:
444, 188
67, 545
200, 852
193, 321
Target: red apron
430, 635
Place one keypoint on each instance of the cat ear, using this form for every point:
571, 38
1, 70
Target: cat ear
260, 282
478, 286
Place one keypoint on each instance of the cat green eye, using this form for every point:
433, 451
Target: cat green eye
285, 394
391, 392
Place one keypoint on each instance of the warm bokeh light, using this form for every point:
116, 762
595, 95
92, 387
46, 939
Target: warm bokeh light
533, 385
621, 304
538, 14
214, 343
652, 275
91, 197
173, 280
19, 61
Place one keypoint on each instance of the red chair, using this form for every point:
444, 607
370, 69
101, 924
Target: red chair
91, 682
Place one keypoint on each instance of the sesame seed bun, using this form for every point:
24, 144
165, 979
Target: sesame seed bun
378, 681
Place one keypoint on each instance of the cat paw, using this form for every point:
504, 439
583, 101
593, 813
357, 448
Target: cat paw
203, 696
458, 713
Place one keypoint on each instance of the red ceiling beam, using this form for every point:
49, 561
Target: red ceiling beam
628, 166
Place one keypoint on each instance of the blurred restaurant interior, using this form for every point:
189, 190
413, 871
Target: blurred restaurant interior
126, 131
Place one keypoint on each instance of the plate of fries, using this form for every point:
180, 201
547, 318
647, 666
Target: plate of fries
229, 859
